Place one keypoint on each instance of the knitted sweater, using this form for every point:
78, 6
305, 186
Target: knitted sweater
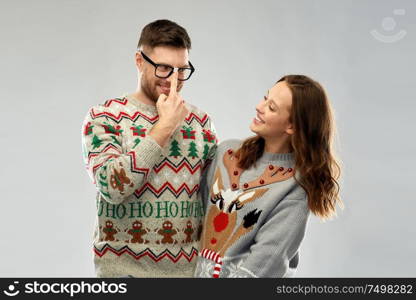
149, 214
255, 219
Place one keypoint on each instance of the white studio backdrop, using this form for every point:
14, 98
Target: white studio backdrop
58, 58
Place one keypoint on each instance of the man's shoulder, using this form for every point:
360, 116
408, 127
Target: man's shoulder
113, 108
112, 104
194, 109
197, 114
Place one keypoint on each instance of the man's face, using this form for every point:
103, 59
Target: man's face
151, 85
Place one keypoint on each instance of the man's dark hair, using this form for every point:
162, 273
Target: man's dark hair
164, 33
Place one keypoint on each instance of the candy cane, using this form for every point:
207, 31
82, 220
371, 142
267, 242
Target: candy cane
214, 256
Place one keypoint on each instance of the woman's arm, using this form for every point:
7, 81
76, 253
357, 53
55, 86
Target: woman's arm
277, 241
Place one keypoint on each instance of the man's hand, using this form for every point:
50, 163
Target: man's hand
172, 111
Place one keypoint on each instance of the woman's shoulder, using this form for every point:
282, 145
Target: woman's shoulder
233, 144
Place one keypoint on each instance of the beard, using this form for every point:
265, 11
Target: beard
149, 89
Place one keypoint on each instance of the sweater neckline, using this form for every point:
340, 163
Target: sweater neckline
272, 158
139, 104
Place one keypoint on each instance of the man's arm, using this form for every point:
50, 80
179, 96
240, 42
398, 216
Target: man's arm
171, 110
116, 174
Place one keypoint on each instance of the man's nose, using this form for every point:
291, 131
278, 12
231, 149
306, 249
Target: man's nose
169, 79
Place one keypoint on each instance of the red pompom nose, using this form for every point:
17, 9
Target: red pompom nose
220, 222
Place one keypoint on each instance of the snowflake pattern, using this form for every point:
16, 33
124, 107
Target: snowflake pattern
205, 268
176, 180
165, 174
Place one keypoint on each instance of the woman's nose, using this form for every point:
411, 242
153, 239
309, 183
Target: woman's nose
259, 107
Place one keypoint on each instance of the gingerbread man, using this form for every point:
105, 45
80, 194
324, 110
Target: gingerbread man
137, 231
167, 231
188, 230
109, 231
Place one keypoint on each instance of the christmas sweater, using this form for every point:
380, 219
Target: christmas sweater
255, 219
149, 212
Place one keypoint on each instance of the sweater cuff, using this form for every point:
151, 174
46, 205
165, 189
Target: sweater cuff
148, 152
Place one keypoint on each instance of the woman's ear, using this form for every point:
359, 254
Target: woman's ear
289, 130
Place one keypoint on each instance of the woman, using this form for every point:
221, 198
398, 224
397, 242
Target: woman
259, 192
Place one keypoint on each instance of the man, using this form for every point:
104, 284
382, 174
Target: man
146, 152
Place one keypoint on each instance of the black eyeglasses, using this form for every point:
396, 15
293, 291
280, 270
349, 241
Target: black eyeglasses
164, 71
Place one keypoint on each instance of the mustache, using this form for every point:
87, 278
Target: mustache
167, 84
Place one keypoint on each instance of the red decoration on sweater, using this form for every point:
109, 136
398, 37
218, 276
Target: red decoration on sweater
188, 133
139, 131
220, 222
88, 128
112, 129
208, 136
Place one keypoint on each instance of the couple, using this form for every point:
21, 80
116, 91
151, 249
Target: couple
172, 203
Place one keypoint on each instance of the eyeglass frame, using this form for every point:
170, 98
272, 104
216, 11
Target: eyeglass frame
146, 58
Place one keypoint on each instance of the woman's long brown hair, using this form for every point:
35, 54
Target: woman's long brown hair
311, 143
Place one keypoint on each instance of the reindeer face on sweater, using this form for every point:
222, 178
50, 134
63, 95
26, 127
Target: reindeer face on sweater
221, 231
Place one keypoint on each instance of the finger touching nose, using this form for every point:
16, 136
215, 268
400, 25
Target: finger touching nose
173, 80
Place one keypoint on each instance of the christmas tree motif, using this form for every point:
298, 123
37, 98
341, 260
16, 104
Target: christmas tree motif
111, 129
208, 136
175, 149
96, 142
88, 128
188, 132
193, 151
138, 131
206, 151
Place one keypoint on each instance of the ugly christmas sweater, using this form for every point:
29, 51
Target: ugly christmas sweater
255, 219
149, 212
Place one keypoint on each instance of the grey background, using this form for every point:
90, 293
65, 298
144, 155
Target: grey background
58, 58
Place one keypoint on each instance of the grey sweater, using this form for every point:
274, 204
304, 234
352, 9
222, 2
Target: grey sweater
255, 220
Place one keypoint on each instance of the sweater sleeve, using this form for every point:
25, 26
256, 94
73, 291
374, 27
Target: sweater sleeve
116, 174
277, 241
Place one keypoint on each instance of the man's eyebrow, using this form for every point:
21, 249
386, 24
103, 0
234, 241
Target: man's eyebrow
169, 65
186, 66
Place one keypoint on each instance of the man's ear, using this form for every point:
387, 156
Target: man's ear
139, 61
289, 129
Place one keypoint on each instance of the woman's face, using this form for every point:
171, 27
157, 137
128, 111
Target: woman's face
273, 112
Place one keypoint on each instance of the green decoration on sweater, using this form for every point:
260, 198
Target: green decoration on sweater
111, 129
102, 181
193, 151
206, 152
88, 128
188, 132
115, 140
96, 142
175, 149
138, 131
136, 142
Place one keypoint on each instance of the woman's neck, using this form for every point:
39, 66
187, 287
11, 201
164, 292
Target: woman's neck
277, 145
